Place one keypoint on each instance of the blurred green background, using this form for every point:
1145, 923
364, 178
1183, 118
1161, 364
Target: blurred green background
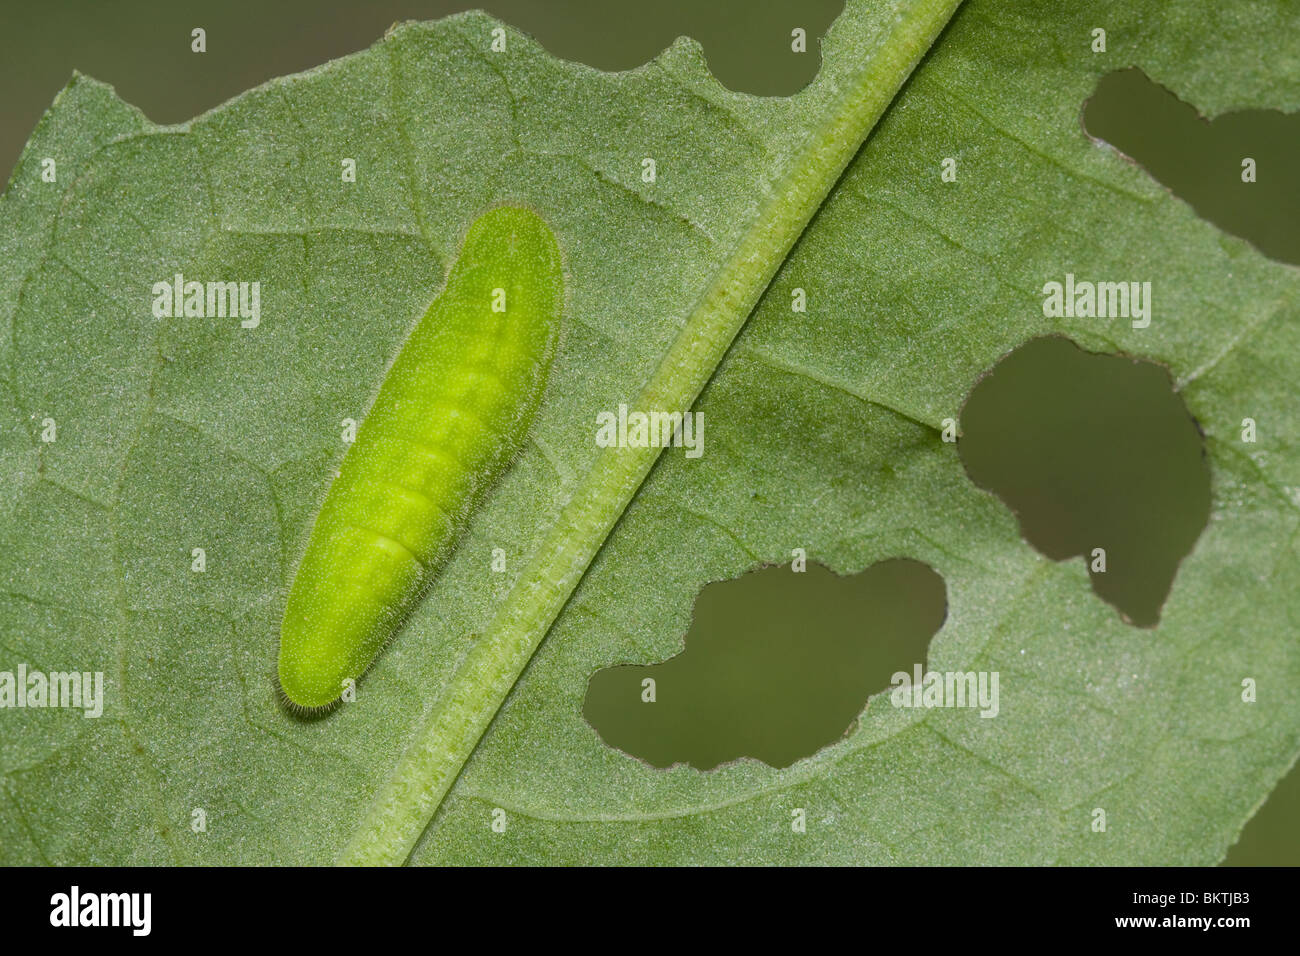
777, 665
143, 49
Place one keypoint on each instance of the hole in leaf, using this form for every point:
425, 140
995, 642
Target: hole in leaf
1094, 453
1272, 837
1201, 161
749, 46
777, 665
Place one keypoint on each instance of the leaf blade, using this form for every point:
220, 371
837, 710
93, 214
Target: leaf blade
453, 728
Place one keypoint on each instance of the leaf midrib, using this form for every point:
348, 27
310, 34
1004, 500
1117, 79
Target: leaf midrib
452, 728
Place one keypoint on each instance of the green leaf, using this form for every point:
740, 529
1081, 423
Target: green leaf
822, 433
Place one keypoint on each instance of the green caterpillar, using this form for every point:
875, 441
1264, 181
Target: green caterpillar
452, 412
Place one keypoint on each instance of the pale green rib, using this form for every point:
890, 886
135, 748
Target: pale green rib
415, 789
